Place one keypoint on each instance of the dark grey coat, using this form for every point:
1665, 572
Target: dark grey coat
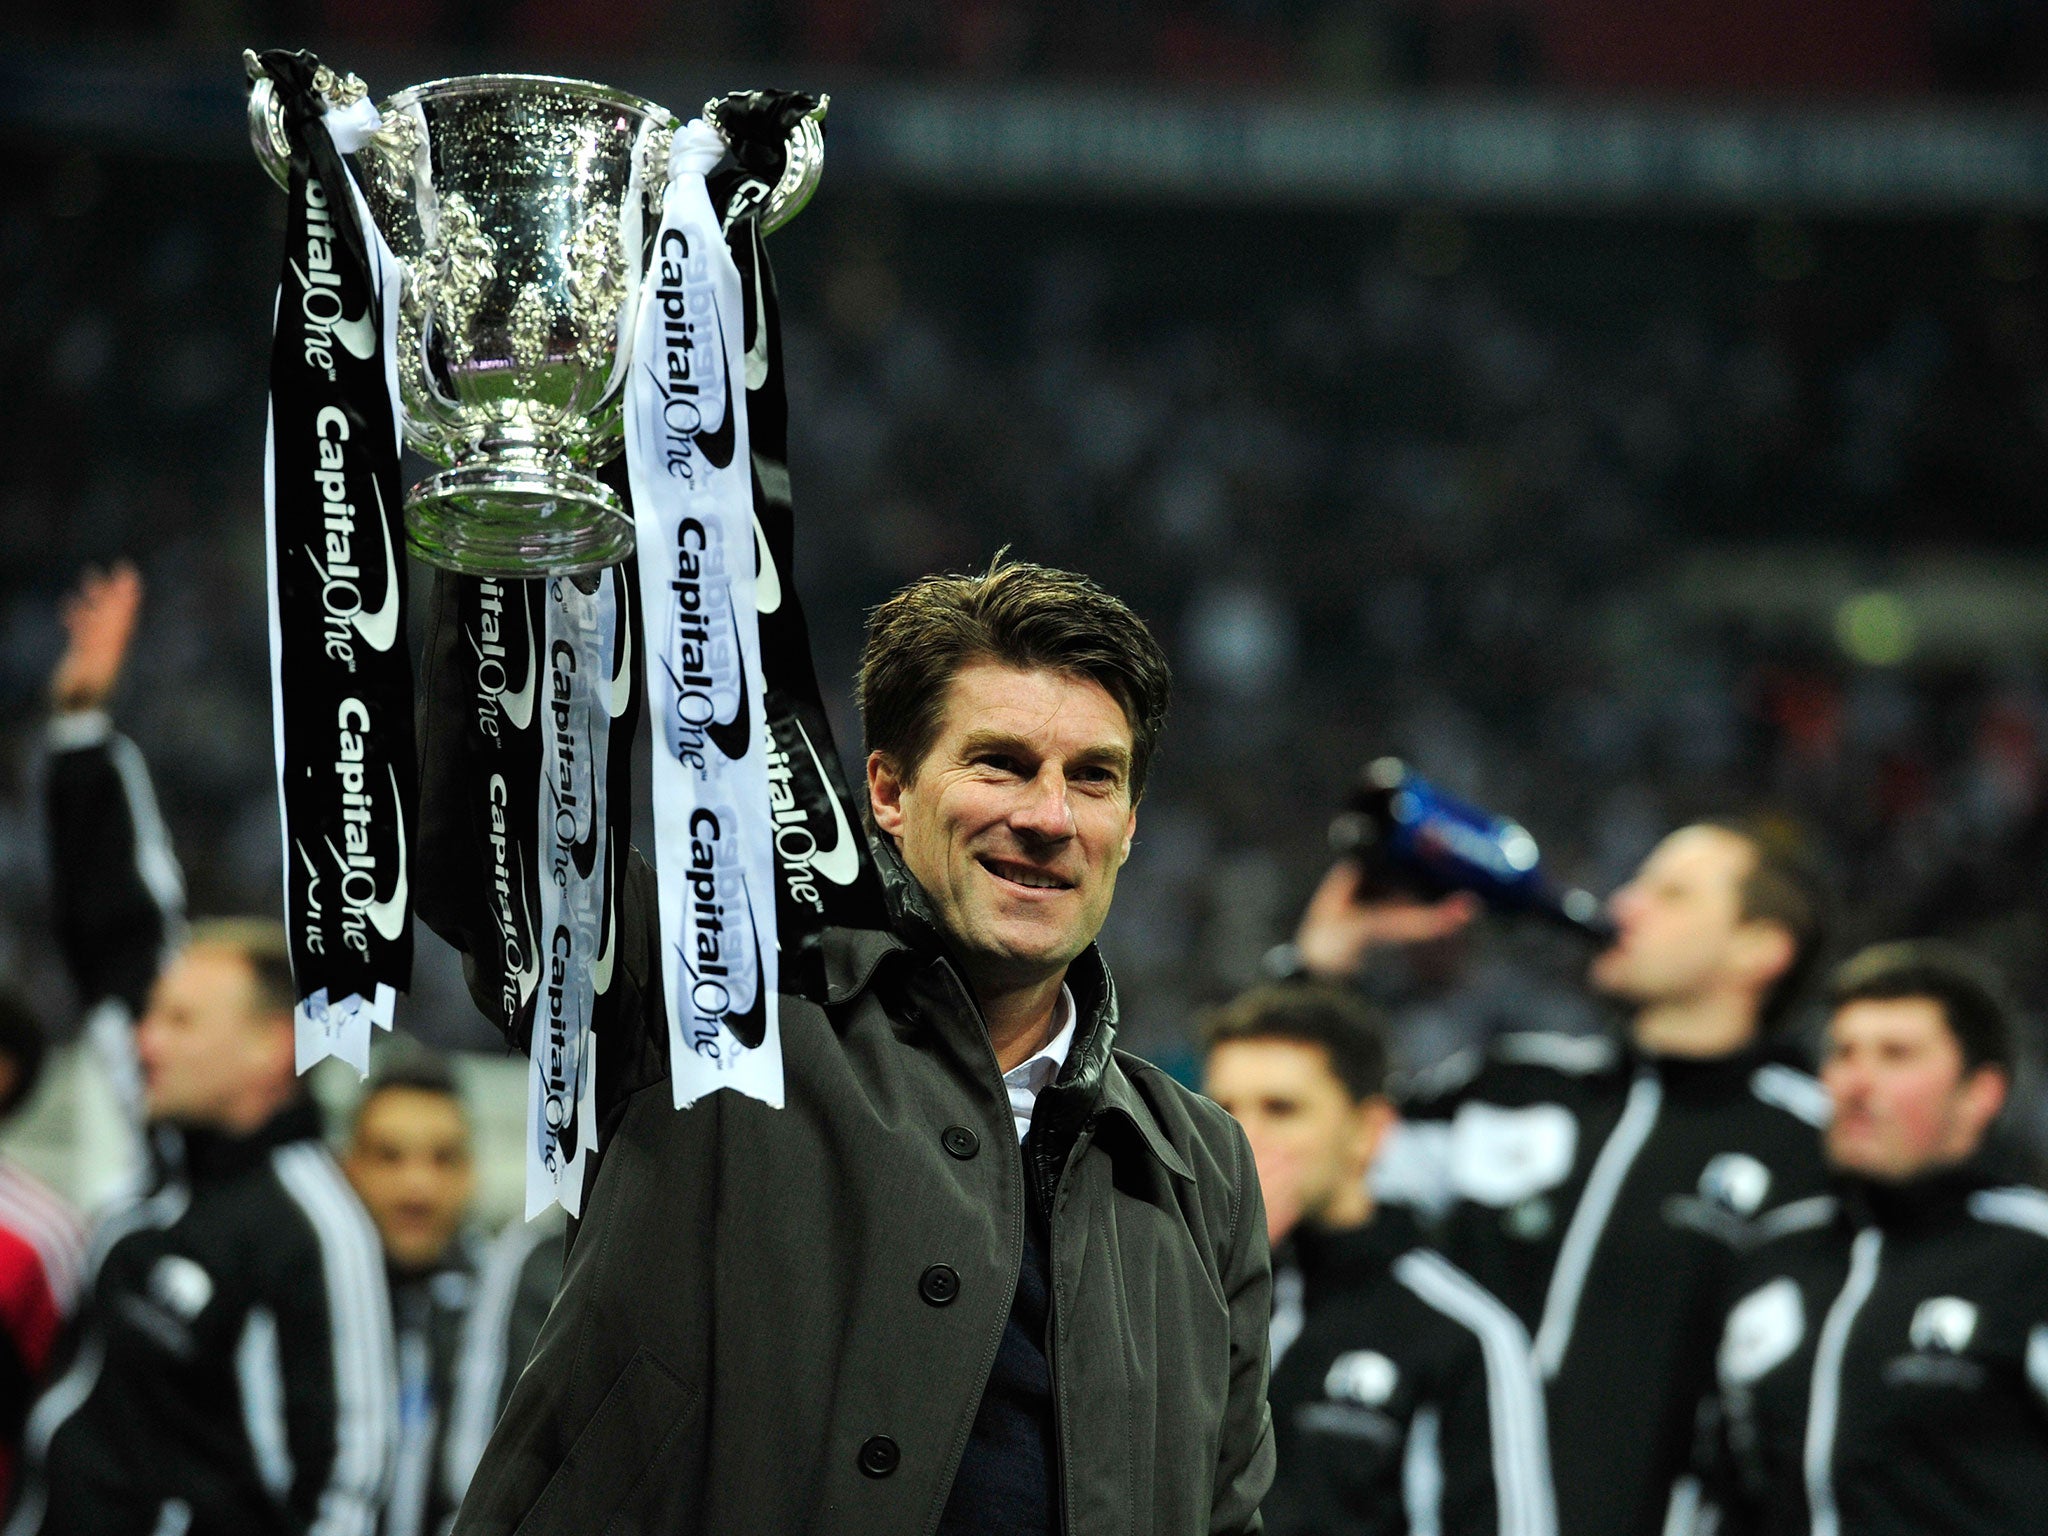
742, 1310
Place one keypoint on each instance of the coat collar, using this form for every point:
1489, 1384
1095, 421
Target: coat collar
1091, 1082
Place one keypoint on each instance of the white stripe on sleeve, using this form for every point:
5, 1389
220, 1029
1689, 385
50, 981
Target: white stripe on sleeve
359, 1315
1514, 1400
480, 1377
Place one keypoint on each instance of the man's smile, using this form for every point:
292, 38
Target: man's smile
1029, 876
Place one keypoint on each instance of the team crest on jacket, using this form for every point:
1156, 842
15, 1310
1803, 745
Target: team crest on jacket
1736, 1181
181, 1286
1763, 1331
1501, 1157
1943, 1325
1363, 1376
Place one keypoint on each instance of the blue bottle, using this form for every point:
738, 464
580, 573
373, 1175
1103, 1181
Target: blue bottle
1410, 835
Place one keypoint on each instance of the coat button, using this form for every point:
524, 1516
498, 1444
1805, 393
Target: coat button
878, 1456
939, 1284
960, 1141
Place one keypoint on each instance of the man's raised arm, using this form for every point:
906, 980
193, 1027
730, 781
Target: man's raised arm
117, 894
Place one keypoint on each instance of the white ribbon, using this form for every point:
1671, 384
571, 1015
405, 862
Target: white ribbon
689, 460
561, 1116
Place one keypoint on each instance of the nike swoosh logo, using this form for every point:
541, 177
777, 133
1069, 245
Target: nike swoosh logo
621, 693
751, 1028
601, 968
380, 629
359, 336
716, 446
767, 580
518, 706
757, 354
732, 736
388, 916
842, 865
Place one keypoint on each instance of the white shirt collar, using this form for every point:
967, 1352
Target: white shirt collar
1032, 1076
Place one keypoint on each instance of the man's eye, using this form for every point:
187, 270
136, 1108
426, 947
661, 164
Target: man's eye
1000, 762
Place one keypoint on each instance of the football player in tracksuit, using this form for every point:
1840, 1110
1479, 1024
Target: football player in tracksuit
1884, 1366
230, 1367
1403, 1396
1601, 1187
466, 1313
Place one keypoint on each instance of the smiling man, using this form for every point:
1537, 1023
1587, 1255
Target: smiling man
1885, 1369
984, 1273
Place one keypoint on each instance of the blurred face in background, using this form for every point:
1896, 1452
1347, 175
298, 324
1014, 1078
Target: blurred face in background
1682, 937
211, 1057
412, 1166
1312, 1141
1904, 1103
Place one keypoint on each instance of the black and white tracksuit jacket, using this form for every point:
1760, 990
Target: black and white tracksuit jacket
1884, 1366
117, 895
231, 1374
230, 1368
1603, 1195
1403, 1396
464, 1331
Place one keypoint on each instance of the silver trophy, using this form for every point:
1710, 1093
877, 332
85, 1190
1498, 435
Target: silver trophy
521, 208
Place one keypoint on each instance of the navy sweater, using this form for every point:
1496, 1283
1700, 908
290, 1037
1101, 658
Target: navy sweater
1008, 1482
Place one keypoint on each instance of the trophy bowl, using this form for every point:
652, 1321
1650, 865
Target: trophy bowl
521, 209
515, 205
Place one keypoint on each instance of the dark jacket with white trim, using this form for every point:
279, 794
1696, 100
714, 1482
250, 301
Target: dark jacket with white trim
1603, 1196
117, 894
232, 1371
1406, 1401
1883, 1369
117, 898
515, 1287
748, 1339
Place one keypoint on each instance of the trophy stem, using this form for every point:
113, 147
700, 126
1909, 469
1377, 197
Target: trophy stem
511, 521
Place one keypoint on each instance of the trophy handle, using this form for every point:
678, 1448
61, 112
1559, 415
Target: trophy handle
266, 113
803, 164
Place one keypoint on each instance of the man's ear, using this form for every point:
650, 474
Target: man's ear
885, 794
1130, 835
1983, 1093
1766, 951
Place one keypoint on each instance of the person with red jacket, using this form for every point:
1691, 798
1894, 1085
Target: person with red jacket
42, 1249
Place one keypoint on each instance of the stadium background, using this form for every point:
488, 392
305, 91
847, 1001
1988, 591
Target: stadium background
1623, 412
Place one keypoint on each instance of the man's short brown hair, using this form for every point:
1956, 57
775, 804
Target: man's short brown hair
1017, 614
1971, 994
1351, 1031
1786, 887
262, 942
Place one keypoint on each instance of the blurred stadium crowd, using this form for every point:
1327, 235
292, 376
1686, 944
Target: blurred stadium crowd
1609, 522
1964, 46
1469, 489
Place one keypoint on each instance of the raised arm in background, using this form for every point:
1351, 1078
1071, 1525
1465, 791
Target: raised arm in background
117, 893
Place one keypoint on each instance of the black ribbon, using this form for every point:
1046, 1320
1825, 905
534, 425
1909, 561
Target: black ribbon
825, 872
344, 678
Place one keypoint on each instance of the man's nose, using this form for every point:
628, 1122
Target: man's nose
1043, 810
1624, 905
